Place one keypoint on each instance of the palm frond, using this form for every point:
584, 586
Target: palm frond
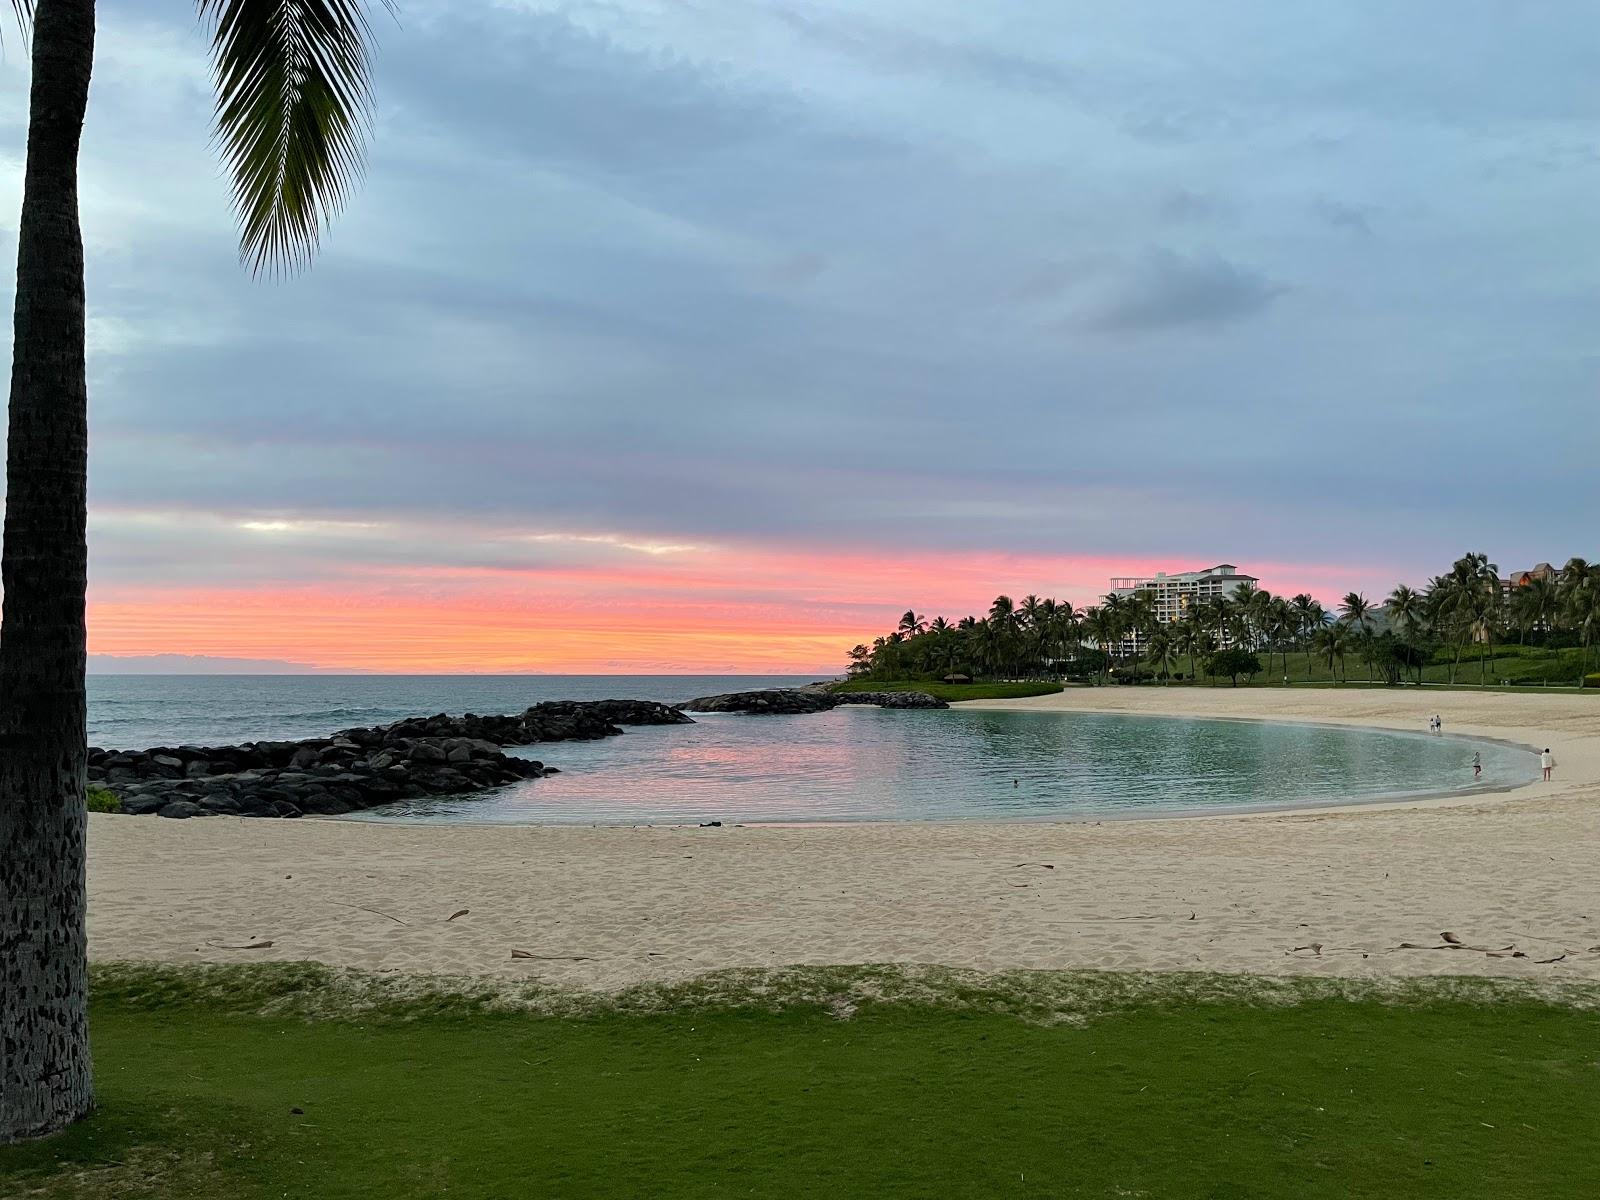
23, 11
294, 106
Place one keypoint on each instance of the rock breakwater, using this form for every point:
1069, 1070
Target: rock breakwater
357, 769
798, 701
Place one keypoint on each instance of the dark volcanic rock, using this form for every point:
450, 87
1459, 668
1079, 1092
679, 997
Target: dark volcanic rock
892, 699
340, 781
359, 768
773, 700
181, 809
552, 721
786, 701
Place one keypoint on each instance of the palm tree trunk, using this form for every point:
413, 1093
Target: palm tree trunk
44, 1041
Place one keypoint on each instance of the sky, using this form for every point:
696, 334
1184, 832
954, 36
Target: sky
711, 335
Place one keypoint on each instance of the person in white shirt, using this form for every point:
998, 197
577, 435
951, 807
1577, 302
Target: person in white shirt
1546, 761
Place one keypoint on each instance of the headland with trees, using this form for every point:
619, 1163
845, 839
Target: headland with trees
1466, 627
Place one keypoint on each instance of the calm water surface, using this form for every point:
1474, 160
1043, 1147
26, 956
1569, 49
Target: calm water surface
853, 764
861, 764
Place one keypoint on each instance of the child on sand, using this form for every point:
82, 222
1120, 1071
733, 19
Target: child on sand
1546, 761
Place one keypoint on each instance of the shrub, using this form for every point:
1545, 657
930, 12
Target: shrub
1592, 679
1233, 663
1088, 662
102, 800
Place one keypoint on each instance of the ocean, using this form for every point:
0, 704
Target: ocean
851, 764
135, 712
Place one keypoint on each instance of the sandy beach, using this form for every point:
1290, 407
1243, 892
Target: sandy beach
1326, 892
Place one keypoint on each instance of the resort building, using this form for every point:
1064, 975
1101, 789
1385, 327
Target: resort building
1174, 596
1521, 579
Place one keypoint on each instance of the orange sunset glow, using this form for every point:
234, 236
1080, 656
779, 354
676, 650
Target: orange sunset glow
698, 609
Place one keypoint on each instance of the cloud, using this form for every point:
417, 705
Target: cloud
794, 282
1170, 290
1352, 218
905, 48
1185, 205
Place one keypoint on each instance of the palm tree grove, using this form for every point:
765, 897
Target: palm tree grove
1540, 633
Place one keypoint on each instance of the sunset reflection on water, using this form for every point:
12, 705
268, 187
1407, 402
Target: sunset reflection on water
861, 764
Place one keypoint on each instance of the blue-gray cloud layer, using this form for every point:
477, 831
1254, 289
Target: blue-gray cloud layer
1241, 280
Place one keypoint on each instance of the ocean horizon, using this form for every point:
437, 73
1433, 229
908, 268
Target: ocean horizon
138, 711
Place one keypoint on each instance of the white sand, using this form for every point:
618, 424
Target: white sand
609, 907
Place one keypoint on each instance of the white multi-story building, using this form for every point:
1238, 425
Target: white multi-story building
1174, 597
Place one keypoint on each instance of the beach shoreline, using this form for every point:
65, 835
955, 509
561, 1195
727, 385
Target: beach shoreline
1350, 890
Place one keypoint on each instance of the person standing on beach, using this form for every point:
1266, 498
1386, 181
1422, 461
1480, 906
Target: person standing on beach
1546, 761
1477, 765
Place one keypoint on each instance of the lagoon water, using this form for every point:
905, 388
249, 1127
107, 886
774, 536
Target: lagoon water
852, 764
867, 764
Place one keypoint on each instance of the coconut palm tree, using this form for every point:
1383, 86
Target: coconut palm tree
1575, 572
1534, 606
1466, 602
1257, 609
1245, 597
1138, 622
1405, 609
1113, 625
1217, 612
1583, 611
1308, 616
1067, 635
292, 114
1577, 590
911, 624
1355, 610
1033, 616
1332, 641
1280, 620
1103, 625
1189, 635
1158, 649
1003, 622
1480, 609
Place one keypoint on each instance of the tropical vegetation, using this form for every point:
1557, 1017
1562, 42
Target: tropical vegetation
292, 110
1546, 629
99, 799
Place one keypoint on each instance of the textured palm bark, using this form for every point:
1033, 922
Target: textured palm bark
44, 1043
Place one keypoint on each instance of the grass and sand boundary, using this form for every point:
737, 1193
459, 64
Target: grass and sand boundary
1346, 1002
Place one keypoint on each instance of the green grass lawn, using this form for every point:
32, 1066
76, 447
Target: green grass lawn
1527, 666
1426, 1096
952, 692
